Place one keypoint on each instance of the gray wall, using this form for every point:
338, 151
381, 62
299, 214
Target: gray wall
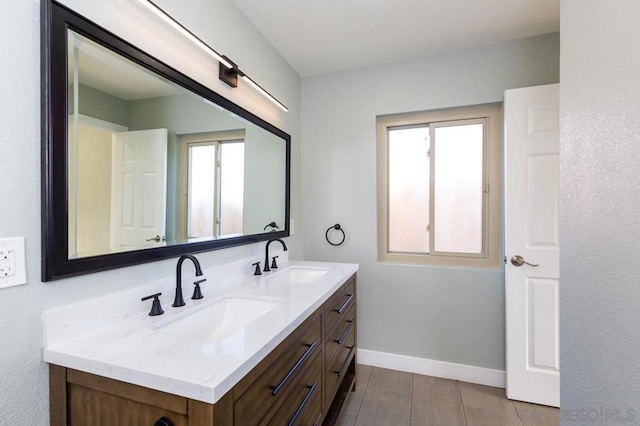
25, 398
104, 106
599, 205
98, 104
448, 314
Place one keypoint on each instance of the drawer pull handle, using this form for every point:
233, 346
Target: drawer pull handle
343, 307
304, 402
344, 333
276, 389
344, 363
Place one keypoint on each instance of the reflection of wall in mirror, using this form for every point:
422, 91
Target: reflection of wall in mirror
94, 191
97, 104
265, 173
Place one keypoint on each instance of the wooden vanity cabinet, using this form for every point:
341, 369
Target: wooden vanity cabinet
304, 381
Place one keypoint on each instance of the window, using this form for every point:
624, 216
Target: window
213, 184
439, 187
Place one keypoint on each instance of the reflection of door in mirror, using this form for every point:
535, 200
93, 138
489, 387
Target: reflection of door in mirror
115, 177
138, 196
212, 182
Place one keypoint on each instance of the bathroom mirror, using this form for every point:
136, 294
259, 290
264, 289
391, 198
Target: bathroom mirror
142, 163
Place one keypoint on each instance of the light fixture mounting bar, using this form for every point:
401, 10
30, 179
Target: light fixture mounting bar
229, 75
182, 29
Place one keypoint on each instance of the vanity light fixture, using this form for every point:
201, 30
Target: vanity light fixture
229, 71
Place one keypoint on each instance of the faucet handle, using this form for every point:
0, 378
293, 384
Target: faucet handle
274, 265
257, 271
156, 309
197, 293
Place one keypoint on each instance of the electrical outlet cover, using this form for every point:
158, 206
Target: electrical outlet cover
13, 261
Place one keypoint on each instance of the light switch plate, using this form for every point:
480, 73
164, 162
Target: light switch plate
12, 262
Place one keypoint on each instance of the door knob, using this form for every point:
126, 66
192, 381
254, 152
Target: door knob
156, 239
518, 260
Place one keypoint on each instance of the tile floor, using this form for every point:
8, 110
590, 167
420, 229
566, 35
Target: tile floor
387, 397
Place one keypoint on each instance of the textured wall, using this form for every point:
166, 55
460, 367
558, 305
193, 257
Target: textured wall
448, 314
24, 397
599, 204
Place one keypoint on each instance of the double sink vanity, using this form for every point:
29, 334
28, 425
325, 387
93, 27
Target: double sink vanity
278, 348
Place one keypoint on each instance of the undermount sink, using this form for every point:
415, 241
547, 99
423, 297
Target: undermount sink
219, 319
300, 275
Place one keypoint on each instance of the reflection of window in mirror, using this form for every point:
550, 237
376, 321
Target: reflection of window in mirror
212, 181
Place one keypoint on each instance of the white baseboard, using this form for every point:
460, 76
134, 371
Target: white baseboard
430, 367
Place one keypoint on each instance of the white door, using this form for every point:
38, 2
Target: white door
531, 235
138, 189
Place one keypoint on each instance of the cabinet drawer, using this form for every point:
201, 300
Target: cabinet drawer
336, 367
276, 382
339, 304
337, 337
304, 403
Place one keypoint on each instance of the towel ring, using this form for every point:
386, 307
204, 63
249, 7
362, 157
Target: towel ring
272, 225
337, 227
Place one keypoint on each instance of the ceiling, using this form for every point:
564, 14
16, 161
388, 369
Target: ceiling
332, 35
110, 73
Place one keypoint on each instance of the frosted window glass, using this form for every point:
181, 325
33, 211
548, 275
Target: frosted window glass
202, 183
409, 190
231, 188
458, 195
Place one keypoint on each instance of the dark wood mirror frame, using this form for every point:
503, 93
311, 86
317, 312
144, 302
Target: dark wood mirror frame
56, 20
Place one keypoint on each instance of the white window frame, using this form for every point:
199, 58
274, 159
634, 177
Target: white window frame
185, 141
491, 117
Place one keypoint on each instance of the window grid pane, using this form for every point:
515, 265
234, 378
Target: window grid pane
408, 157
202, 182
231, 188
458, 188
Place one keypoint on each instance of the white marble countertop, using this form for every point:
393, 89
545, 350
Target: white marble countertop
113, 336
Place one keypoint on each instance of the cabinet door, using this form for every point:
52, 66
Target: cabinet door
88, 407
